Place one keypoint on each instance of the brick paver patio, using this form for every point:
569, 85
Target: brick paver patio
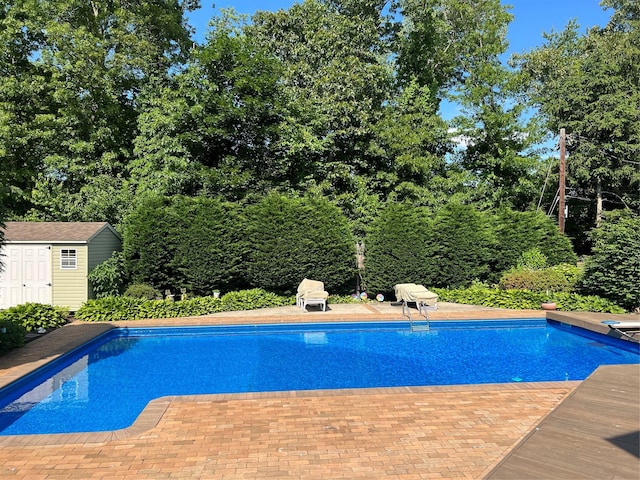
420, 434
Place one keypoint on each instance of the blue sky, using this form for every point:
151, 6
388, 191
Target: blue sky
532, 17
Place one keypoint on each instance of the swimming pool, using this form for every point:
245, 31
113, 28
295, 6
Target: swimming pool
106, 383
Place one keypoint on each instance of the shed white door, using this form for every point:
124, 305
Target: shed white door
26, 276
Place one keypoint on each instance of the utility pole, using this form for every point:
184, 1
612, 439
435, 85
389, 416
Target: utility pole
563, 142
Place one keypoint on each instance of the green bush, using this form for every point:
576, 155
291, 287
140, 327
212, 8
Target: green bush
289, 239
107, 278
613, 270
532, 259
252, 299
396, 248
182, 242
525, 299
33, 316
210, 253
462, 245
12, 334
126, 308
343, 299
519, 232
559, 278
142, 290
534, 280
150, 241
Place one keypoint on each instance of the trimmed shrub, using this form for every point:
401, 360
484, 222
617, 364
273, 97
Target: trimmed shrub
150, 241
142, 290
543, 280
289, 239
613, 270
396, 248
530, 274
33, 316
462, 246
210, 253
518, 232
182, 242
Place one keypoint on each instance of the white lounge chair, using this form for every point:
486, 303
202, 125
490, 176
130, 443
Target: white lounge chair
626, 328
424, 299
311, 292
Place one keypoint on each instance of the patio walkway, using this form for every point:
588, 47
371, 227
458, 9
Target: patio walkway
403, 433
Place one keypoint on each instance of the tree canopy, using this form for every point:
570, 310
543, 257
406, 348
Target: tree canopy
590, 85
107, 104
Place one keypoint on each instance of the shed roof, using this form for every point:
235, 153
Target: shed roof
36, 232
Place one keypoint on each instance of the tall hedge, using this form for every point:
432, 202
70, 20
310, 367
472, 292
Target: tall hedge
183, 242
456, 247
150, 240
211, 252
293, 238
517, 232
396, 248
613, 270
462, 247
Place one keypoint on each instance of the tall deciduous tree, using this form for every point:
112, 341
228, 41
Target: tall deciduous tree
497, 130
408, 151
25, 123
91, 59
214, 127
337, 78
590, 85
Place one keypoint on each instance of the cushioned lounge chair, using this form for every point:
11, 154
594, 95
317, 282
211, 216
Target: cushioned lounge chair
628, 328
424, 299
311, 292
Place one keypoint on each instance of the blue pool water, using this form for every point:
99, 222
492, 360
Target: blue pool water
105, 384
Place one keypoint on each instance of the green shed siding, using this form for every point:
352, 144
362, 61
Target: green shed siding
102, 246
70, 287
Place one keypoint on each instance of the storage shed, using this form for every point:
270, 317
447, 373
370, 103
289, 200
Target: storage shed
48, 262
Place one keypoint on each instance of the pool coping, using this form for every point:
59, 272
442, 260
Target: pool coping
72, 335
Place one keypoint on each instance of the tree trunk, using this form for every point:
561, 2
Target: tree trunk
598, 202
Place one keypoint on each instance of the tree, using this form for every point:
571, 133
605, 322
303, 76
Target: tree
336, 79
590, 85
213, 128
25, 123
84, 64
497, 138
409, 149
438, 42
613, 270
